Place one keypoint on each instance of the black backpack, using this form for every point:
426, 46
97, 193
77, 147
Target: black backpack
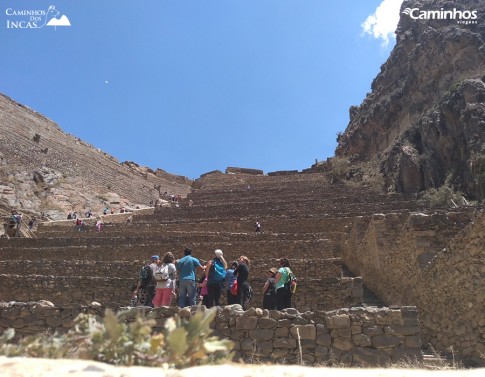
250, 293
146, 276
271, 288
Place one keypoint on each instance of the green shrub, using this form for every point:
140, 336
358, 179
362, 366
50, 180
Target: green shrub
441, 197
115, 341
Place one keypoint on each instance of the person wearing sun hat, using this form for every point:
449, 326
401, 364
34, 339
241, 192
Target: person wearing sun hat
269, 290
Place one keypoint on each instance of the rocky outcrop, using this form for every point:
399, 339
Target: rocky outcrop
46, 171
425, 117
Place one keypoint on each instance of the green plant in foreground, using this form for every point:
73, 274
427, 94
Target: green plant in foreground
112, 340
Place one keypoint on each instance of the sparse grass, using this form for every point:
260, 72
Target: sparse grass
439, 363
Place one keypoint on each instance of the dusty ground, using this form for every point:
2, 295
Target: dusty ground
27, 367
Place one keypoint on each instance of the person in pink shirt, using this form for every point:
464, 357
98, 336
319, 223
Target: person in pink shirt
165, 276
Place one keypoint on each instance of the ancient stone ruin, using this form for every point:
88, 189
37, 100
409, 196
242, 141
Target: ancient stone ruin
409, 258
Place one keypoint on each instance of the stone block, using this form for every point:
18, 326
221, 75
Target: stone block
238, 334
344, 332
221, 325
264, 348
356, 329
282, 332
279, 353
308, 358
305, 332
343, 344
345, 358
308, 345
413, 341
246, 323
284, 323
373, 330
261, 334
362, 340
321, 329
385, 341
357, 291
300, 321
266, 323
18, 323
284, 343
321, 351
10, 314
324, 340
248, 345
67, 323
341, 321
4, 322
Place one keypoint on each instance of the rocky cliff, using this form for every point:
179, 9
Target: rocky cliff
44, 171
424, 120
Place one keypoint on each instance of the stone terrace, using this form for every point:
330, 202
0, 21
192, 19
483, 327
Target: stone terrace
30, 141
302, 216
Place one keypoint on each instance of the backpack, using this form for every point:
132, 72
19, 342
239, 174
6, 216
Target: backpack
291, 283
146, 276
250, 293
162, 273
271, 289
217, 271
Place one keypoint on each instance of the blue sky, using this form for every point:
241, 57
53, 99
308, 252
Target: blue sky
191, 86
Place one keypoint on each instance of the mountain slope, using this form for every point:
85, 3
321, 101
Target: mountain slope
44, 170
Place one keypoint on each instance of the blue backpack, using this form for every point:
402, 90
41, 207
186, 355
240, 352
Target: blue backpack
217, 272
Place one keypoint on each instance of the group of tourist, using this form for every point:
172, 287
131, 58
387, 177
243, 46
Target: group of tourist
277, 290
162, 279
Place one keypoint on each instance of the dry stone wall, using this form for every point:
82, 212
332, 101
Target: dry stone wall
305, 269
436, 263
357, 336
312, 294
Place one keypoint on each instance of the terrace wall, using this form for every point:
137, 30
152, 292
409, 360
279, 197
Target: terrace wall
435, 262
357, 336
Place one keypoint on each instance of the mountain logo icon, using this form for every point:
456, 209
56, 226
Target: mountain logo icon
54, 21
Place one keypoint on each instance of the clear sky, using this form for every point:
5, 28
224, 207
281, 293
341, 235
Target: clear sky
191, 86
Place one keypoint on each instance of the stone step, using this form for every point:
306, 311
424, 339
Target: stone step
303, 268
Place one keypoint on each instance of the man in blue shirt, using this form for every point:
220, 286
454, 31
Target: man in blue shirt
187, 267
